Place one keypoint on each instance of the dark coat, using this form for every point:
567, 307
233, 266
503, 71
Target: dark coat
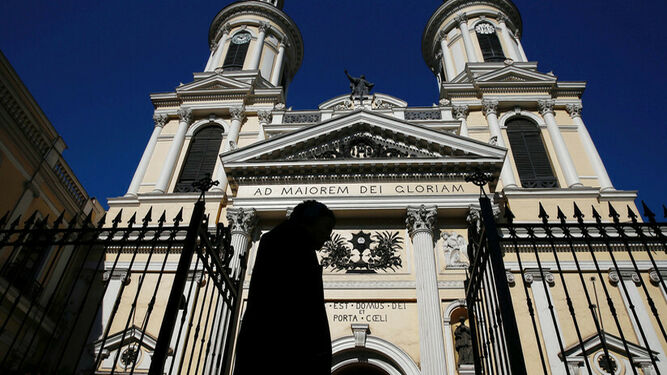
285, 323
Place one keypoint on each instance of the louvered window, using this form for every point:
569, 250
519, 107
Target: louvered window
530, 156
489, 42
201, 157
238, 47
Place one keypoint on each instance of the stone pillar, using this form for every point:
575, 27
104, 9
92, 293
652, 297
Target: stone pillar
562, 154
539, 285
259, 46
278, 66
185, 117
461, 113
490, 108
517, 37
237, 114
603, 178
160, 120
465, 33
216, 60
507, 38
264, 119
630, 280
420, 222
242, 222
447, 57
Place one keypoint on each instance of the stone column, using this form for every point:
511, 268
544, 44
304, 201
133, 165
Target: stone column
517, 37
507, 38
420, 222
603, 178
449, 64
630, 280
539, 285
461, 113
465, 33
490, 108
259, 46
237, 114
185, 117
160, 120
216, 59
242, 222
562, 154
264, 119
278, 67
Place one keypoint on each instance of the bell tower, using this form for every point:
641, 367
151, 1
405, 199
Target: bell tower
256, 36
461, 32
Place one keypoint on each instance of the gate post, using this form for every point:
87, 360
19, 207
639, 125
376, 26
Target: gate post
171, 311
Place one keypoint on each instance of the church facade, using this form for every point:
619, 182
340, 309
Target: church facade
395, 175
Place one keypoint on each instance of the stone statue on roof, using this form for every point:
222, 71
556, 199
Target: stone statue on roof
360, 86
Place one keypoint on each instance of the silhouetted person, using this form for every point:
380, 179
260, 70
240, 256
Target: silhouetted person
285, 327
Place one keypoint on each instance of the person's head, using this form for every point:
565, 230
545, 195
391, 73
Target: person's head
362, 76
316, 219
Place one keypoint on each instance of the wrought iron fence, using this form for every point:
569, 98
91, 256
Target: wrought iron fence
91, 298
571, 256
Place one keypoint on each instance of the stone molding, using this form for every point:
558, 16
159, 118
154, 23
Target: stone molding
460, 111
657, 275
421, 219
534, 274
625, 274
511, 281
461, 18
360, 332
242, 220
264, 26
118, 274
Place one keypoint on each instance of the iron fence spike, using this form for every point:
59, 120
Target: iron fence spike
561, 215
72, 221
4, 219
88, 219
16, 222
133, 219
612, 213
163, 218
148, 218
179, 216
631, 214
543, 214
59, 219
596, 215
117, 220
30, 220
509, 215
648, 213
100, 223
577, 212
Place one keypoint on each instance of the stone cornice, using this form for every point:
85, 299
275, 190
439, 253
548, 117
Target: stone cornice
295, 47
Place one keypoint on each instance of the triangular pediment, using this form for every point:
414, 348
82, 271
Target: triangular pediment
515, 74
132, 335
613, 343
215, 82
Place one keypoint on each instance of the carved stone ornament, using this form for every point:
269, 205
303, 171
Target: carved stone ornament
363, 253
421, 219
510, 278
119, 274
485, 28
264, 116
533, 274
546, 106
360, 332
361, 145
502, 18
626, 274
490, 106
378, 104
656, 275
461, 18
474, 219
263, 26
493, 141
346, 105
185, 115
280, 106
460, 111
241, 220
444, 102
574, 110
455, 247
233, 145
442, 34
160, 119
237, 113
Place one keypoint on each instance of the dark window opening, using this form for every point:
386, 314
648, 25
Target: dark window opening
530, 156
201, 158
489, 42
238, 47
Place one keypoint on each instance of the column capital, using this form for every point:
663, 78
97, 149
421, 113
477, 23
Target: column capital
502, 18
534, 274
118, 274
546, 106
442, 35
241, 220
263, 26
574, 110
461, 18
490, 106
625, 274
421, 219
226, 29
264, 116
185, 114
237, 113
160, 120
460, 111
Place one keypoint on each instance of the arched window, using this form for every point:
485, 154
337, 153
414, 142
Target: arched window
201, 157
489, 42
530, 156
238, 48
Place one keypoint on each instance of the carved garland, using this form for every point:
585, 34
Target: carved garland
364, 253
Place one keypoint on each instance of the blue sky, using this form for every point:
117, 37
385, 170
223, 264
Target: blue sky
91, 66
